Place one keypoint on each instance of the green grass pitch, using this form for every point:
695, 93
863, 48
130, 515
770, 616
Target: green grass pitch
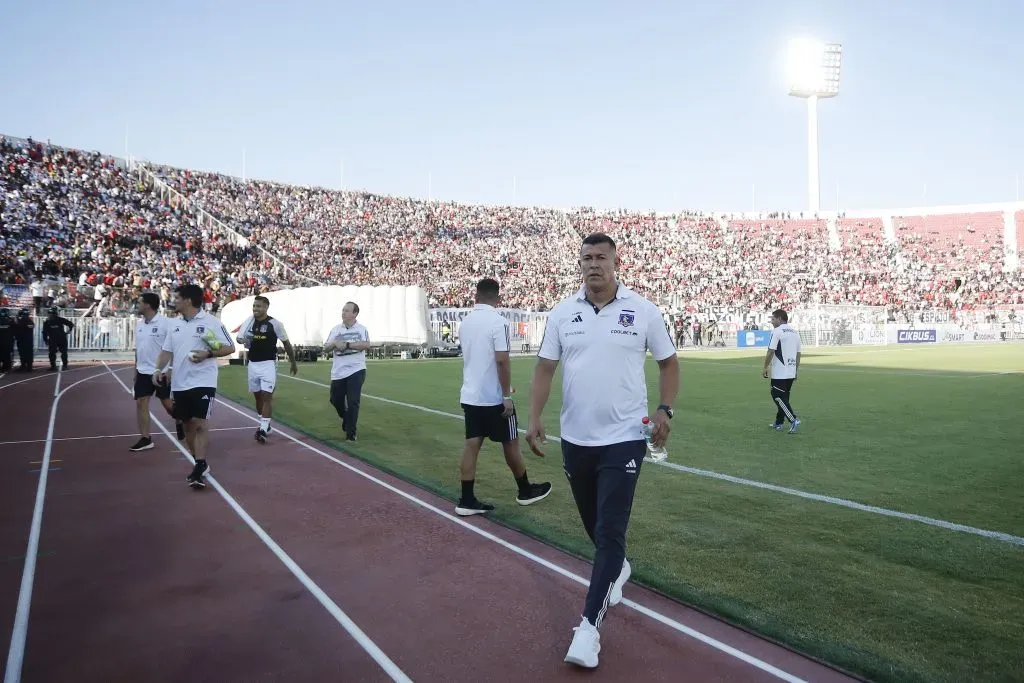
936, 431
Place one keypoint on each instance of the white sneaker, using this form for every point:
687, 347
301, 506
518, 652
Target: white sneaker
616, 596
586, 643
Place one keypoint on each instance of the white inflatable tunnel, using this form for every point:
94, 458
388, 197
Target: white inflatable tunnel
391, 314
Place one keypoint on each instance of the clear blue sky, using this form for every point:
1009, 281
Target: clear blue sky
644, 105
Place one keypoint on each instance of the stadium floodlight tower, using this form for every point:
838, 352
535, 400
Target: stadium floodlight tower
813, 72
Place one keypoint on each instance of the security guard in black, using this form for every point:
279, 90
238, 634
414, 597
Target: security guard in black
24, 336
6, 340
55, 336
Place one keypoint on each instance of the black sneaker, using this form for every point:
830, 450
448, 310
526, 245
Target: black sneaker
143, 444
195, 480
351, 437
534, 493
472, 507
261, 436
179, 428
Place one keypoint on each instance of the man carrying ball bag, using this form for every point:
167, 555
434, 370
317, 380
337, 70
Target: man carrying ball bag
193, 345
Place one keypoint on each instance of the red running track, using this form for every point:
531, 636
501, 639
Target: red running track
357, 576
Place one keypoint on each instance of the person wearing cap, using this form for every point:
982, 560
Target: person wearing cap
55, 336
24, 337
601, 335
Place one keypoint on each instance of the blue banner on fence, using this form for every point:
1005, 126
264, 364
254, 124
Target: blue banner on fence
917, 336
751, 338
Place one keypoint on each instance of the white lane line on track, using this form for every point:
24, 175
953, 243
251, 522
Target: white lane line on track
19, 635
44, 374
657, 616
328, 604
106, 436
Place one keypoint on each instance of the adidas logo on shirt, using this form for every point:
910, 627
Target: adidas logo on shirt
578, 318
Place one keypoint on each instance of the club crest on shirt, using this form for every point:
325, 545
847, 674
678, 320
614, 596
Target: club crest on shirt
200, 329
626, 319
263, 328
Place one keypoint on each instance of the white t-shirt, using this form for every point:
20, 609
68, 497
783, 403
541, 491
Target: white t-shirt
186, 335
149, 341
785, 342
604, 387
345, 363
481, 333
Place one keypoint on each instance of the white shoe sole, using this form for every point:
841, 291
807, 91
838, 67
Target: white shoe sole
579, 661
531, 501
616, 594
144, 448
467, 512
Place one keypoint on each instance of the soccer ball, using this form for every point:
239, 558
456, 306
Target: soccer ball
211, 340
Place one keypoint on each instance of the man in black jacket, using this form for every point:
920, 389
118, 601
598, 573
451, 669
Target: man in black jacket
24, 336
6, 341
55, 336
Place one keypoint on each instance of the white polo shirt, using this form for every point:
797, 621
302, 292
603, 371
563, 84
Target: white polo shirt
345, 363
186, 335
481, 333
149, 342
785, 342
604, 387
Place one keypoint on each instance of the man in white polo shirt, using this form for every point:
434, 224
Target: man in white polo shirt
194, 343
601, 335
150, 334
781, 363
348, 343
486, 399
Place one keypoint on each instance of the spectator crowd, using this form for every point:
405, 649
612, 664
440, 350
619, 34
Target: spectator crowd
75, 228
73, 221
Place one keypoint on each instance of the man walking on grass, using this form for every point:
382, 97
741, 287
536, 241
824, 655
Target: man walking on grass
486, 399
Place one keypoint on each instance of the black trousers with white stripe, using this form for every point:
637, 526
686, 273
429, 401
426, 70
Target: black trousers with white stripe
603, 480
780, 397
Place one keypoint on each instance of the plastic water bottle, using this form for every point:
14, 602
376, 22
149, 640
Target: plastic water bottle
654, 453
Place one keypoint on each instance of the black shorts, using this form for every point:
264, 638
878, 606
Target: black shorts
487, 422
144, 387
194, 403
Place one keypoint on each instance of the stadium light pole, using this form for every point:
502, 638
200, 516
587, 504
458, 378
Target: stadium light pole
813, 73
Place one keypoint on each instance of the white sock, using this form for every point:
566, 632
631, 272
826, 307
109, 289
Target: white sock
265, 424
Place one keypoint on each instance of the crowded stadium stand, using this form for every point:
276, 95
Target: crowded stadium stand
89, 232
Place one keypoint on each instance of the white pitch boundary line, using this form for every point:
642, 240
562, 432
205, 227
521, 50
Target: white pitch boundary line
105, 436
657, 616
16, 653
332, 608
866, 370
842, 502
952, 526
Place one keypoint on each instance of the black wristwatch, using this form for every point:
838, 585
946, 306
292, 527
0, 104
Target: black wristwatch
667, 409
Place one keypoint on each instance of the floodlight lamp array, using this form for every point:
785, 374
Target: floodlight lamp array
814, 69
